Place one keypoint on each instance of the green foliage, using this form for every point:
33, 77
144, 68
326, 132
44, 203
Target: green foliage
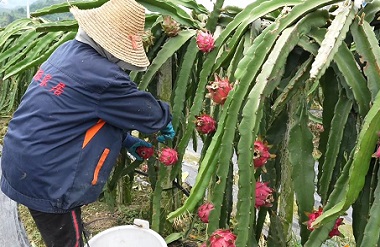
285, 58
7, 16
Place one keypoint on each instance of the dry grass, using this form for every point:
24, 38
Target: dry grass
32, 232
96, 216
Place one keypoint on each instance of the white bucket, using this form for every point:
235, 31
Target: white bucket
137, 235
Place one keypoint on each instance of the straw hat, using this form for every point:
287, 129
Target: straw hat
117, 26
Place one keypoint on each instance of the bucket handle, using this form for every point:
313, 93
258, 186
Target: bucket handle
141, 223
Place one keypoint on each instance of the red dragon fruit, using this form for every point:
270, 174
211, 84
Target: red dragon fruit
264, 197
377, 153
204, 211
222, 238
315, 214
219, 89
335, 231
205, 124
205, 41
261, 153
148, 40
168, 156
145, 152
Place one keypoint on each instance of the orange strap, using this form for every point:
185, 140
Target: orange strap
133, 39
90, 133
100, 165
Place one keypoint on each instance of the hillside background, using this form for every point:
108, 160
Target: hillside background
11, 10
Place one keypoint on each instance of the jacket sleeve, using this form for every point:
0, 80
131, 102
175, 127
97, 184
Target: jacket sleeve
124, 106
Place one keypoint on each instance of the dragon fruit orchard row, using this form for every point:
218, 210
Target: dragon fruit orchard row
218, 91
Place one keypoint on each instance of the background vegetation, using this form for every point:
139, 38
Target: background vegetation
9, 15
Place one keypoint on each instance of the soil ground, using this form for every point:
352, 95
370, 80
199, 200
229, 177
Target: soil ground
99, 216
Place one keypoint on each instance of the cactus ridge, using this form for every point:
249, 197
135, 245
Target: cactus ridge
369, 50
342, 110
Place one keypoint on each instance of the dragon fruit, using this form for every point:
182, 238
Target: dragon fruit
205, 41
168, 156
222, 238
205, 124
145, 152
377, 153
203, 245
148, 40
261, 153
204, 211
264, 197
335, 231
315, 214
170, 26
219, 89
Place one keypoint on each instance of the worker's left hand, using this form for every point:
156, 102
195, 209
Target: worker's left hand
132, 143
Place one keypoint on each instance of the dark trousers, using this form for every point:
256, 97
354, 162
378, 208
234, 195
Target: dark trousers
60, 230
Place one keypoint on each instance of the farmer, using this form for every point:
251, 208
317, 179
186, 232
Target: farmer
75, 117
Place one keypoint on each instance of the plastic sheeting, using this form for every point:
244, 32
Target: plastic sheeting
12, 232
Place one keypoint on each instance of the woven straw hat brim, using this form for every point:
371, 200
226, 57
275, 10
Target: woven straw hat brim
117, 26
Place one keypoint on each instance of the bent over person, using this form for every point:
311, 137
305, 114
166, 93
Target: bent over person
75, 117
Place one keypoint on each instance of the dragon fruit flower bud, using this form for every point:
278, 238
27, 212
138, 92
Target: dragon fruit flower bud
205, 124
145, 152
261, 153
222, 238
219, 89
205, 41
168, 156
315, 214
264, 197
204, 211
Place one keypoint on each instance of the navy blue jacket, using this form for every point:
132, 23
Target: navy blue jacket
68, 130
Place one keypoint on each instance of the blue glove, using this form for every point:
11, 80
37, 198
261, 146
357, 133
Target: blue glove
167, 133
132, 143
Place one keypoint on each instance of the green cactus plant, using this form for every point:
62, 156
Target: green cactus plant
282, 57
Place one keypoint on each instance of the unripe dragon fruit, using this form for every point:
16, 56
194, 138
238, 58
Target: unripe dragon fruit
205, 124
219, 89
170, 26
148, 40
261, 153
168, 156
315, 214
205, 41
222, 238
264, 197
145, 152
204, 211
